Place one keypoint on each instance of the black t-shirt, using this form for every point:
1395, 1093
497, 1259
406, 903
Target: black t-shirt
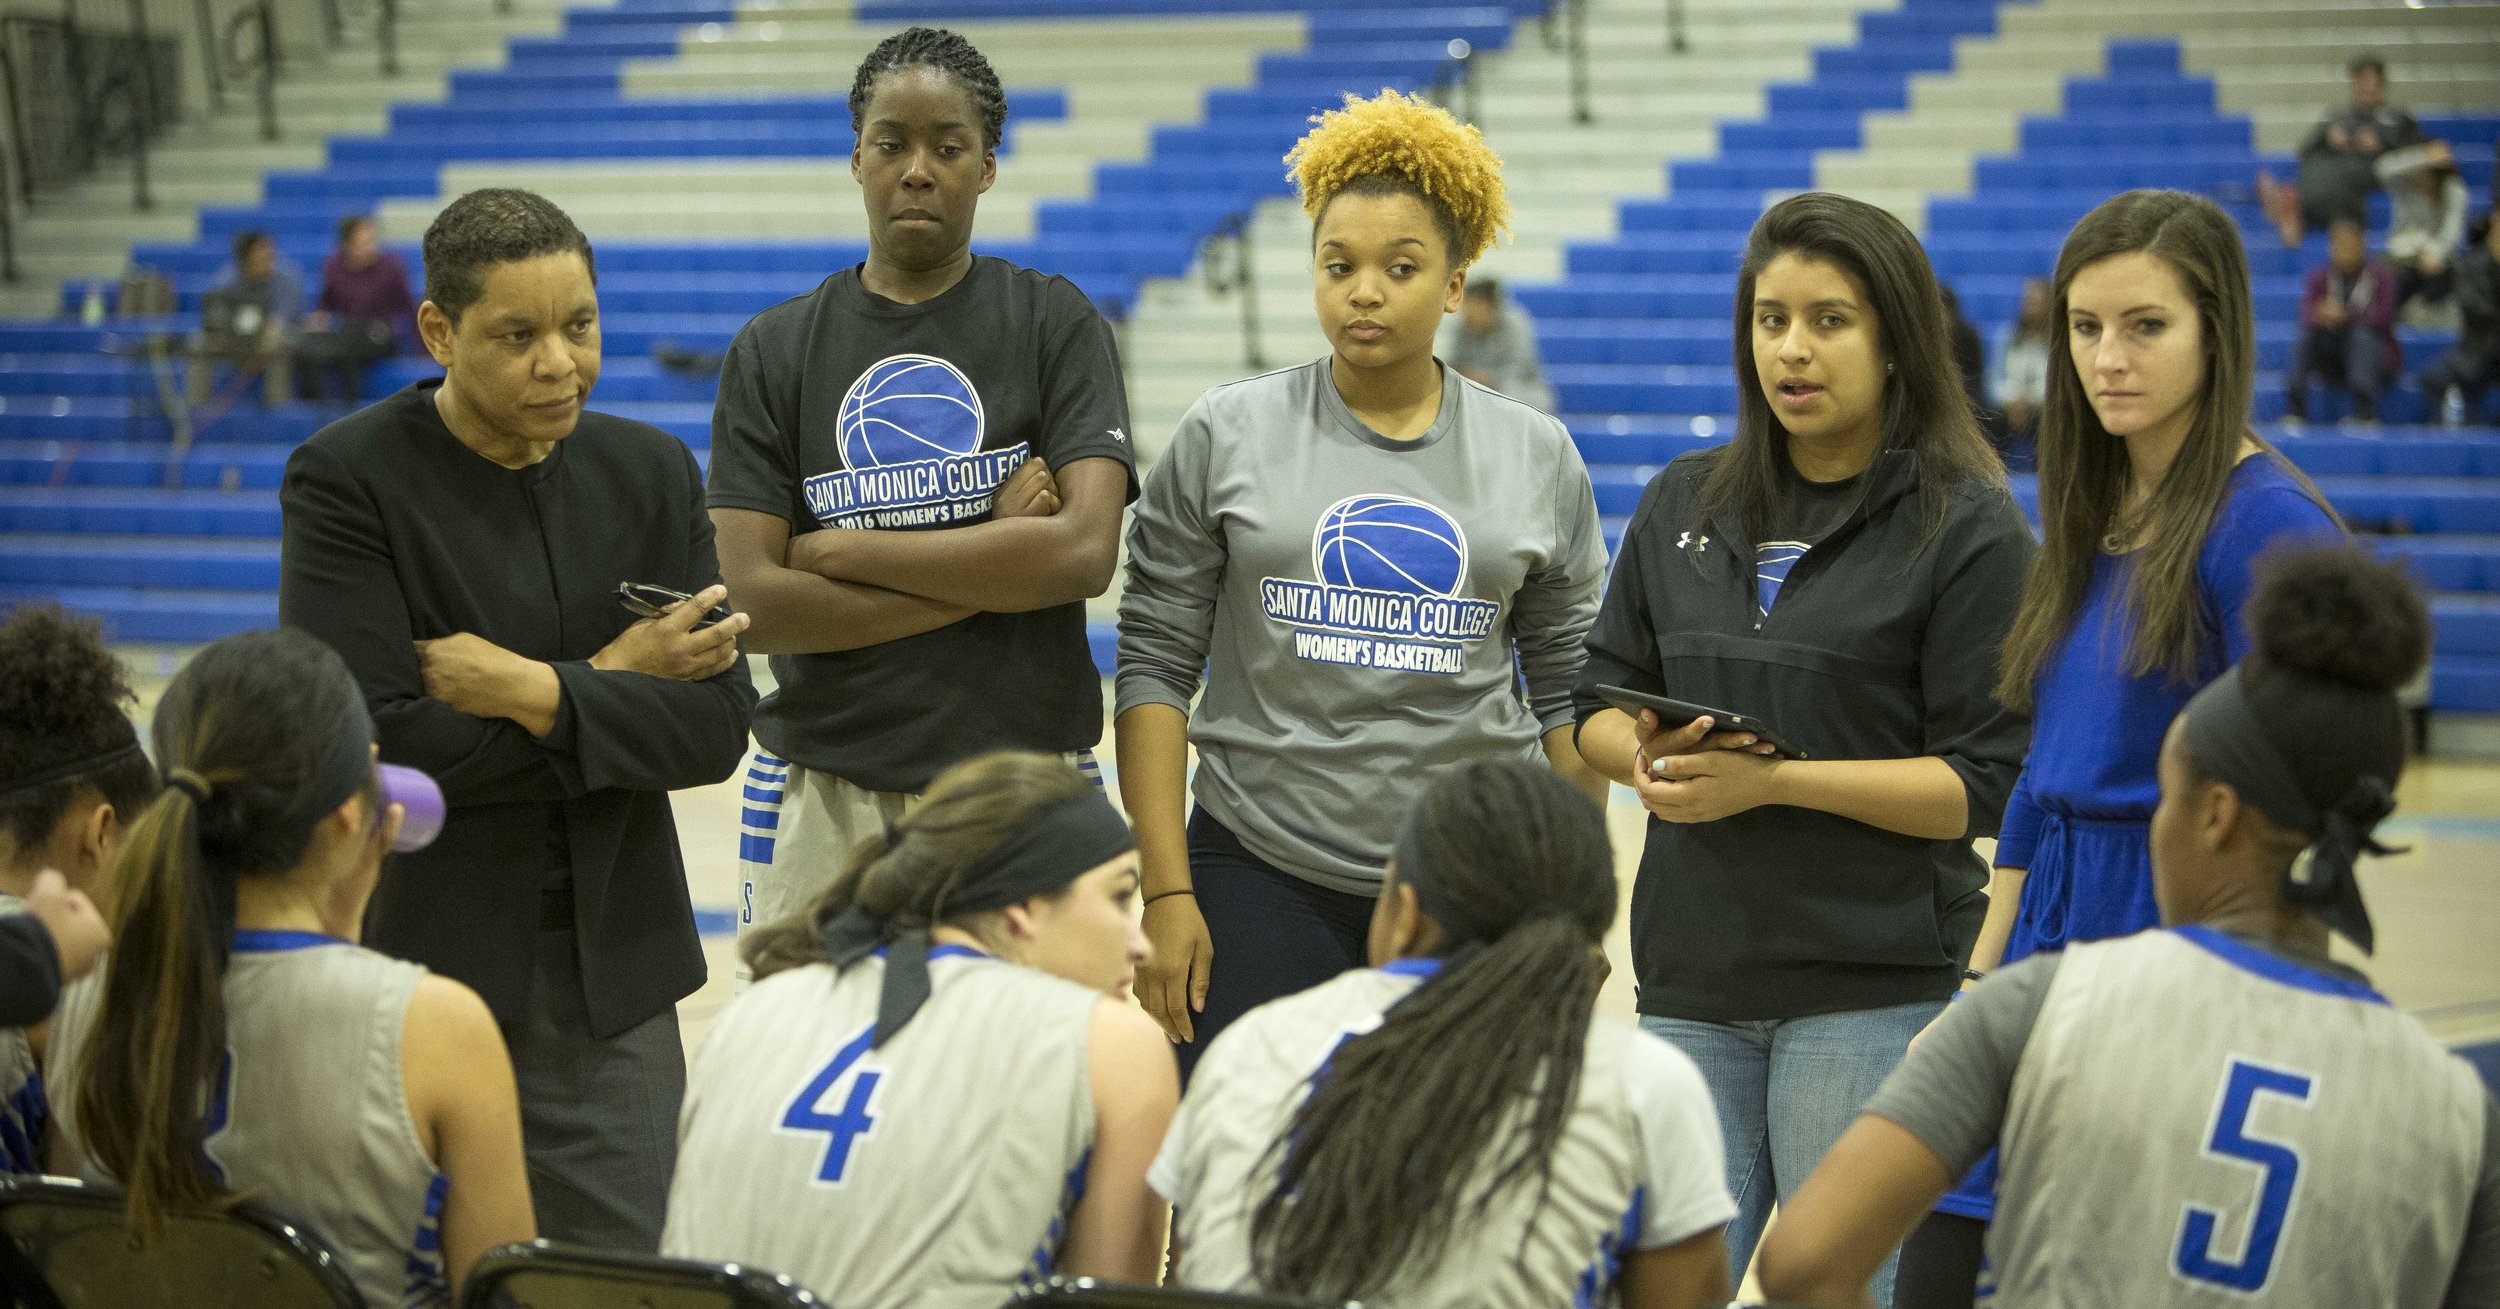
1808, 512
843, 409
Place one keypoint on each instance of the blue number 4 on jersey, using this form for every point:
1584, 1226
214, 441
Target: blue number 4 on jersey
846, 1126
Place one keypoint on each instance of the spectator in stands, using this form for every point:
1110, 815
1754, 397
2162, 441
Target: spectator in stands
1458, 521
249, 318
2429, 224
463, 544
245, 1045
1970, 359
2156, 500
365, 312
924, 548
2022, 373
1798, 920
2348, 326
2455, 382
1493, 343
2338, 160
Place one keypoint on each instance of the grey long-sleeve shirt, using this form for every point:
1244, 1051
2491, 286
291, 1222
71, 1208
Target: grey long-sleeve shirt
1364, 609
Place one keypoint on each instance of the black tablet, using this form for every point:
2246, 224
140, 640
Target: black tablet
1673, 714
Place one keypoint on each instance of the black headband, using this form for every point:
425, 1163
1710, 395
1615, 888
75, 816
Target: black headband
74, 768
1059, 845
2231, 744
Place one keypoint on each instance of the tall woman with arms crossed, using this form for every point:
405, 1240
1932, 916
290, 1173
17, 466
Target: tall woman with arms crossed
1363, 554
1843, 570
2156, 499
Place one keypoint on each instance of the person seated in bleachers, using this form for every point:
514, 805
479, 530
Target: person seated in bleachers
71, 775
937, 1092
2020, 383
2431, 201
1455, 1125
1493, 343
1970, 359
248, 318
2217, 1112
2455, 382
366, 312
243, 1043
2348, 326
2339, 158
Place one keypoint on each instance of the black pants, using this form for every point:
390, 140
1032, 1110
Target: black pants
1273, 933
1940, 1264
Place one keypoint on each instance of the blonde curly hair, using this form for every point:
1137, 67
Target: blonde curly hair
1405, 144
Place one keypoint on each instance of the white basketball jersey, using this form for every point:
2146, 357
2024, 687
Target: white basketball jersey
937, 1172
309, 1115
22, 1106
1638, 1165
2197, 1122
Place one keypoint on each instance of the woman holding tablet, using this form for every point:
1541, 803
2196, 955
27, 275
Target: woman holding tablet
1363, 558
2155, 500
1843, 571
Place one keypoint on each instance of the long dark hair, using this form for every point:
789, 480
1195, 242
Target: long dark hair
252, 719
1405, 1120
1925, 409
906, 874
2084, 470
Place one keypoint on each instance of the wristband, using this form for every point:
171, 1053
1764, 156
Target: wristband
1162, 895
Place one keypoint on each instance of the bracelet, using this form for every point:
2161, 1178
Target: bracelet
1973, 975
1161, 895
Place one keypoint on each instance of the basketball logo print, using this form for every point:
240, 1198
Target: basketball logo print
1389, 543
1391, 593
910, 430
908, 409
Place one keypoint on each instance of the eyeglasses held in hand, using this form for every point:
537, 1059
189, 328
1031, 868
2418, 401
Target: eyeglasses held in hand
647, 600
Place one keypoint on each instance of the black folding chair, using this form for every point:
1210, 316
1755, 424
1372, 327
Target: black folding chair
1086, 1293
544, 1275
65, 1245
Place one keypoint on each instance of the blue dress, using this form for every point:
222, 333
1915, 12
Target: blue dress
2081, 816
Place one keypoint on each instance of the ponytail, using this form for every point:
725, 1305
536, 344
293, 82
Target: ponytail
1463, 1090
260, 735
906, 875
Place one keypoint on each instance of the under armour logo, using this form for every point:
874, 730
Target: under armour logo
1117, 435
1696, 544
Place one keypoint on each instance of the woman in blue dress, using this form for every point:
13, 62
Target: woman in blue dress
2156, 497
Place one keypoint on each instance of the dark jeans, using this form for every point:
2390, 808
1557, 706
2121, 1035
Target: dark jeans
2348, 356
2466, 369
337, 359
1940, 1263
1273, 933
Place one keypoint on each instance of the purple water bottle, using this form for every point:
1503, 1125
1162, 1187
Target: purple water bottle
422, 803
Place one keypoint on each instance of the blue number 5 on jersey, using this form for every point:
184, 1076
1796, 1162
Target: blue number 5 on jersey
844, 1128
2279, 1163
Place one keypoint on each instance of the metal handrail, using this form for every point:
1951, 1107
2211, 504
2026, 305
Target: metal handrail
1676, 44
259, 63
142, 106
386, 35
1244, 278
1583, 108
16, 162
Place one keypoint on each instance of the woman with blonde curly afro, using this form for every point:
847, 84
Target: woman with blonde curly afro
1355, 560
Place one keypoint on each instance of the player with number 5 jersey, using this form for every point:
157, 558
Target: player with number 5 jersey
2304, 1143
936, 1093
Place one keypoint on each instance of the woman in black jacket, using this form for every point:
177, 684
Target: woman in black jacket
1843, 571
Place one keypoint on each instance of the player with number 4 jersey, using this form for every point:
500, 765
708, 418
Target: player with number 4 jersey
936, 1093
2213, 1113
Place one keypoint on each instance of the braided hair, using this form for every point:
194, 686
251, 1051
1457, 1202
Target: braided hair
1463, 1091
948, 53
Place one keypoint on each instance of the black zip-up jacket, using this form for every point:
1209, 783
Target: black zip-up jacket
1881, 645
